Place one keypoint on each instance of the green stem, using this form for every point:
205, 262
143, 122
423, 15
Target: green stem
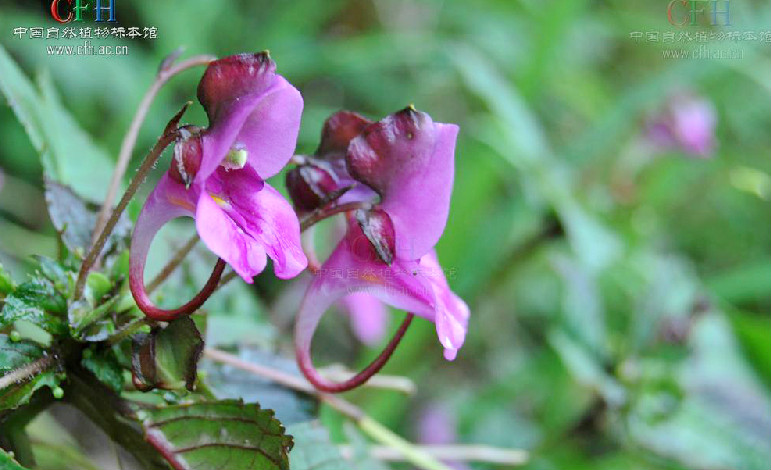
203, 388
128, 330
411, 453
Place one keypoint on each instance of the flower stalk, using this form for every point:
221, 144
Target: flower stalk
324, 385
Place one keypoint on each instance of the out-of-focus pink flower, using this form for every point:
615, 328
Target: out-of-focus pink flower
436, 425
369, 317
688, 123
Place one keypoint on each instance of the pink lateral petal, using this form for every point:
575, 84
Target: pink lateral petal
410, 161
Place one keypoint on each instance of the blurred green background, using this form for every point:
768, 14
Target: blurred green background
620, 294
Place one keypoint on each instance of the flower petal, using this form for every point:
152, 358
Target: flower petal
257, 218
452, 313
249, 106
230, 79
352, 269
168, 201
694, 123
410, 161
279, 232
228, 240
270, 132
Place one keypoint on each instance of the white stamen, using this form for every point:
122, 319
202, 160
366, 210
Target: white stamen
236, 158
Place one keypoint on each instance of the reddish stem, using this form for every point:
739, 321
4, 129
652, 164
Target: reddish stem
137, 285
306, 365
325, 212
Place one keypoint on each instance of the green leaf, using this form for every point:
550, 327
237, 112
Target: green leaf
38, 302
6, 283
14, 354
67, 153
167, 358
313, 449
88, 323
746, 283
105, 306
105, 367
17, 354
19, 394
223, 434
8, 463
74, 218
229, 382
752, 332
701, 436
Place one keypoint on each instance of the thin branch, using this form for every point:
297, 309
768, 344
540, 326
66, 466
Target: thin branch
166, 72
368, 425
395, 383
282, 378
128, 330
26, 372
320, 214
173, 264
168, 136
225, 279
450, 453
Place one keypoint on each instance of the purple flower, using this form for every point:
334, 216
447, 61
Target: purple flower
217, 174
687, 123
437, 426
318, 180
388, 249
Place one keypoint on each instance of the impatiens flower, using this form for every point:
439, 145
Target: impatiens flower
407, 160
218, 175
687, 123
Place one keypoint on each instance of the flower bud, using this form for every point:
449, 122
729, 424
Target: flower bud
338, 131
310, 185
391, 148
187, 155
378, 230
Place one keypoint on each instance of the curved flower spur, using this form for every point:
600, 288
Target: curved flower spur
405, 163
217, 176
